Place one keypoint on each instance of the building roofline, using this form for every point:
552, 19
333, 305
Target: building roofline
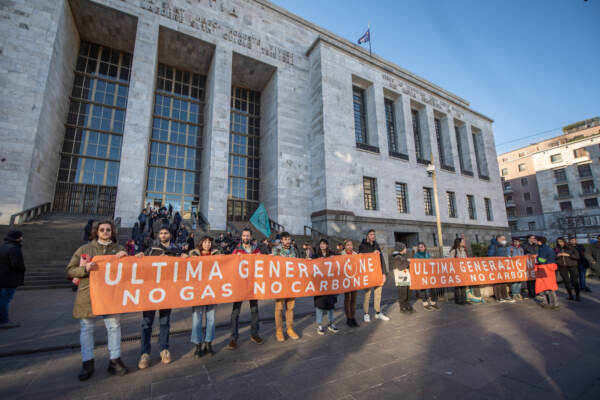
345, 45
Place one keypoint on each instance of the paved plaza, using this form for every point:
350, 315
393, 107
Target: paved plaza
490, 351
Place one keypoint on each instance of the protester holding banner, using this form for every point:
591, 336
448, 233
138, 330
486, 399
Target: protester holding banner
162, 247
104, 242
325, 302
370, 245
400, 264
245, 247
203, 343
531, 248
545, 275
459, 250
350, 297
285, 249
499, 248
429, 296
567, 259
516, 250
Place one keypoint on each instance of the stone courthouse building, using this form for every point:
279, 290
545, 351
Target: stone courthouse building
216, 106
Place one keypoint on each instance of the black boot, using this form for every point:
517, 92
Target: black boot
87, 369
208, 349
198, 351
116, 367
577, 296
348, 322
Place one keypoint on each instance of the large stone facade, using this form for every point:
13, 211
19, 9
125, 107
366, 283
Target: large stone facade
311, 168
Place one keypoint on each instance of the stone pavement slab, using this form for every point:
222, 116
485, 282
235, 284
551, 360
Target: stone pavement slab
490, 351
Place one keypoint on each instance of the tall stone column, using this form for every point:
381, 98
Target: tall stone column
215, 155
138, 122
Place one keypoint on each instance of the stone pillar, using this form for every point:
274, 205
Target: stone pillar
215, 154
138, 122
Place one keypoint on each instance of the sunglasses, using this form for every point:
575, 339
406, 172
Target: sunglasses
105, 230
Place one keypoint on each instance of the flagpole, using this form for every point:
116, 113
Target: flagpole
369, 28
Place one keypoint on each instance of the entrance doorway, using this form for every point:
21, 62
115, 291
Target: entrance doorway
410, 239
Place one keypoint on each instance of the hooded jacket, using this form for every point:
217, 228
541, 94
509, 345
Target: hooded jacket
366, 247
12, 266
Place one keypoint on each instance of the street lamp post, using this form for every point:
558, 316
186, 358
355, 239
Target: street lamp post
432, 173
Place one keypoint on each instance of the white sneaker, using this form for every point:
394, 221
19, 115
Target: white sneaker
382, 316
367, 318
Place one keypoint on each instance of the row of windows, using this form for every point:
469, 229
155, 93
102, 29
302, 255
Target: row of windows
370, 200
397, 144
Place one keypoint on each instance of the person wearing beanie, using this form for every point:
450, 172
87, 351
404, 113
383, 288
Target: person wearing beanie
12, 274
401, 263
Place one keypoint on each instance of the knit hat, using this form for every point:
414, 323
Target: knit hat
14, 234
399, 247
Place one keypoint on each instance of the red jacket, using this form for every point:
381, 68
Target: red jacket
240, 250
545, 277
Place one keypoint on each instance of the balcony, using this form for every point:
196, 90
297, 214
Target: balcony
508, 189
585, 175
560, 179
562, 196
510, 203
589, 191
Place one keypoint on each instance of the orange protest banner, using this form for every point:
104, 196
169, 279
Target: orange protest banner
130, 284
449, 272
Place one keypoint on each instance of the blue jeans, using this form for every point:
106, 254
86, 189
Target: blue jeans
197, 331
515, 288
6, 295
86, 337
319, 313
582, 283
164, 319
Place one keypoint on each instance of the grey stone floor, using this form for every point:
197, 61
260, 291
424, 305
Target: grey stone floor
490, 351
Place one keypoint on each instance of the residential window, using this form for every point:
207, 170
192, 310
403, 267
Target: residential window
531, 225
390, 123
428, 200
488, 209
591, 203
370, 193
438, 136
521, 167
360, 115
529, 210
527, 196
510, 212
513, 225
563, 191
451, 198
565, 206
555, 158
504, 171
524, 182
584, 170
471, 206
401, 197
581, 152
560, 175
588, 187
507, 187
417, 135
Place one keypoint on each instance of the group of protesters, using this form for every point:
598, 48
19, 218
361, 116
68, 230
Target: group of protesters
570, 258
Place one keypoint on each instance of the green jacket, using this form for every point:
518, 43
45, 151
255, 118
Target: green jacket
83, 304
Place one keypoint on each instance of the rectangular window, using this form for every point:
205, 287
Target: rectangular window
588, 187
360, 115
471, 206
591, 203
563, 191
509, 199
560, 175
510, 212
581, 152
584, 170
521, 167
513, 225
440, 143
524, 182
390, 124
529, 210
451, 198
565, 206
480, 157
527, 196
522, 154
488, 209
417, 136
370, 193
507, 187
401, 197
504, 171
428, 201
531, 225
555, 158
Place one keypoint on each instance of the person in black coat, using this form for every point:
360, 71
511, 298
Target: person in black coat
87, 231
370, 245
12, 274
567, 259
326, 302
583, 263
